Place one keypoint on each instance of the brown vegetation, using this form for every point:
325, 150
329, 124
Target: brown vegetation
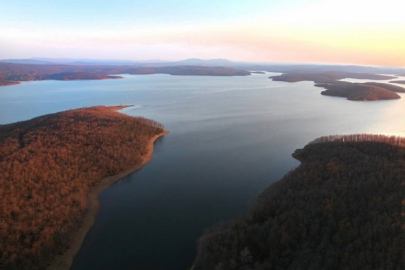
387, 86
369, 91
361, 91
327, 77
258, 72
391, 140
25, 72
48, 165
78, 76
342, 208
400, 82
5, 83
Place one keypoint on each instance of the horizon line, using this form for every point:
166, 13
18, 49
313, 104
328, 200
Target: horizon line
151, 61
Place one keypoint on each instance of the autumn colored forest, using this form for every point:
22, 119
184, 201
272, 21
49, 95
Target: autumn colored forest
48, 164
342, 208
369, 91
362, 91
12, 73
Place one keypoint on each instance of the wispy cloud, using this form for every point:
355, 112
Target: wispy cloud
322, 31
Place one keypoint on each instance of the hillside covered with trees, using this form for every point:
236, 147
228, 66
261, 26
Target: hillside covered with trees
10, 72
342, 208
48, 165
326, 77
399, 81
361, 91
370, 91
5, 83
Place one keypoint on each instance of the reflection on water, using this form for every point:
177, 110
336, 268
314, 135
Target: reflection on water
230, 137
386, 120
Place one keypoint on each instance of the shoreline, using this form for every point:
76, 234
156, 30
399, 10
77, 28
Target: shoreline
8, 83
64, 261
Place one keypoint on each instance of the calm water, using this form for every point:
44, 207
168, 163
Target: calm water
230, 138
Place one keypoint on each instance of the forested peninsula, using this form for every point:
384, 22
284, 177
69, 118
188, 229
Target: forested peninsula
5, 83
11, 72
327, 77
361, 91
400, 82
53, 168
370, 91
342, 208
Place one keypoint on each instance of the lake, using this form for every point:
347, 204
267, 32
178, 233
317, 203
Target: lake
230, 138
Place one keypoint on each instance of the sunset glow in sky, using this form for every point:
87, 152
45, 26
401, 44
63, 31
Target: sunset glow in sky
320, 31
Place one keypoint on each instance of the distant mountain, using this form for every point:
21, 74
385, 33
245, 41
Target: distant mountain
109, 62
202, 62
256, 66
27, 61
315, 68
81, 62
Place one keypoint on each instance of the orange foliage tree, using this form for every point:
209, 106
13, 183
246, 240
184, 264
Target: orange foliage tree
48, 164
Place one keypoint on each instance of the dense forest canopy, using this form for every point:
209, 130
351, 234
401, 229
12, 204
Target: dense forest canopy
48, 164
342, 208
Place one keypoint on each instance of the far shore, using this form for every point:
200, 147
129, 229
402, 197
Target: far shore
7, 83
64, 261
120, 107
400, 82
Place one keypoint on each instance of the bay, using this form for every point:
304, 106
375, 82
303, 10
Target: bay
230, 138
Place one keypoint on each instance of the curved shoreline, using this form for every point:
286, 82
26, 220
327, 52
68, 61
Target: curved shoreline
64, 261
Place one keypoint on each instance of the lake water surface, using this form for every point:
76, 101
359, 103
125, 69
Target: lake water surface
230, 138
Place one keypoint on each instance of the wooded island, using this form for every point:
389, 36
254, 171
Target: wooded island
369, 91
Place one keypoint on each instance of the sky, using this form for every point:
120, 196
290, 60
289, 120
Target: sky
300, 31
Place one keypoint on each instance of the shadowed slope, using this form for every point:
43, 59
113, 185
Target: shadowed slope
342, 208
